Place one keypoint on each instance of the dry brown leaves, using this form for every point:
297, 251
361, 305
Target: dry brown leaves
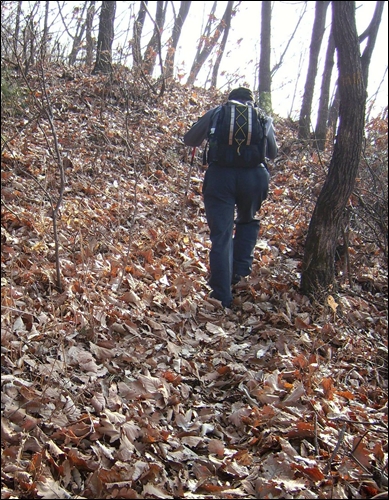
132, 383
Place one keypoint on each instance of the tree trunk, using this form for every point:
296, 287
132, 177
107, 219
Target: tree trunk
322, 116
45, 37
207, 43
316, 40
215, 70
17, 30
264, 77
77, 39
333, 112
137, 34
153, 46
319, 257
105, 38
173, 42
372, 32
88, 35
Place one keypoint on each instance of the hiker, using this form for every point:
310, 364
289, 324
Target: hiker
227, 187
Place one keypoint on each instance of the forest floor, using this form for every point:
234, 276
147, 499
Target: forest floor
131, 382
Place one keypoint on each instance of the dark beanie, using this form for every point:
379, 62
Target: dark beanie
241, 94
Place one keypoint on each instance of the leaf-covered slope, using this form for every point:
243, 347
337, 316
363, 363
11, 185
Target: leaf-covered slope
132, 382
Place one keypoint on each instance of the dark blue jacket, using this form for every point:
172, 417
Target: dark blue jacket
199, 132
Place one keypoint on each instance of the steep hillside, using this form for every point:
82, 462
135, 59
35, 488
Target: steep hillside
131, 382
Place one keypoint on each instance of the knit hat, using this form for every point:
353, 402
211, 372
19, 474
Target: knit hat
241, 94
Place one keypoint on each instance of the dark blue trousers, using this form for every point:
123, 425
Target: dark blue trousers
230, 191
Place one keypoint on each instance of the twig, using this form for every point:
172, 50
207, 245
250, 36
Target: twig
382, 424
316, 442
9, 210
383, 494
340, 439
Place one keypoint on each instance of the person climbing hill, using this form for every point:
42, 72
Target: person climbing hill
240, 138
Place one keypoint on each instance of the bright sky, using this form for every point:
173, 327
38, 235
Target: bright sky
242, 59
288, 83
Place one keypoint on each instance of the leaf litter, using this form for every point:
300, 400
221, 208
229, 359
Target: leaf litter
132, 382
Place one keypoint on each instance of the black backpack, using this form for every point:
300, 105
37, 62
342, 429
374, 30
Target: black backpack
237, 137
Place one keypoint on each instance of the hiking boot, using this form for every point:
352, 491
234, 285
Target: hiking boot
225, 303
236, 278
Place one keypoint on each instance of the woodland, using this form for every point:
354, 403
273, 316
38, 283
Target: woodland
120, 376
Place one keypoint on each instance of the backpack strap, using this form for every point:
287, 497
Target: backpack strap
250, 125
232, 123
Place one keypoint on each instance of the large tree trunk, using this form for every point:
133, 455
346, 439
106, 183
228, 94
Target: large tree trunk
208, 42
322, 115
105, 39
264, 77
319, 257
316, 40
173, 42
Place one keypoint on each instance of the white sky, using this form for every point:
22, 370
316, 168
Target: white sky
288, 83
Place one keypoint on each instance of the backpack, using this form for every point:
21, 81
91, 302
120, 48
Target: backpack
237, 137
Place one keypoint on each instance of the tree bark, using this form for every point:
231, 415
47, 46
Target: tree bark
105, 38
17, 30
370, 33
173, 42
137, 34
88, 35
264, 77
153, 46
316, 40
45, 37
319, 256
322, 116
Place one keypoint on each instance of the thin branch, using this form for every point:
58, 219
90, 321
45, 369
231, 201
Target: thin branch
336, 449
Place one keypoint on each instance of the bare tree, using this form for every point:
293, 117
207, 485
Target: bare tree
45, 38
208, 41
319, 257
137, 34
322, 115
80, 28
371, 34
154, 46
215, 70
173, 41
103, 62
266, 72
264, 76
316, 40
30, 39
88, 35
17, 26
